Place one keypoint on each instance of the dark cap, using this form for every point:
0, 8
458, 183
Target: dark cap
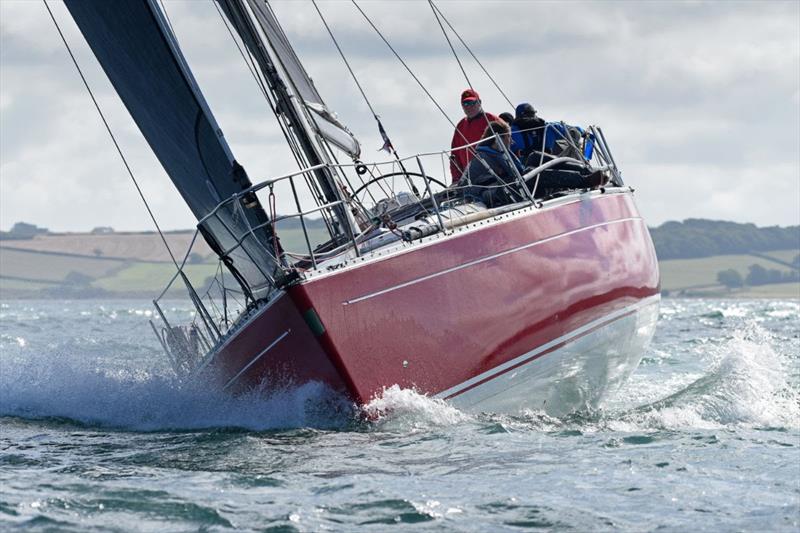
525, 110
507, 117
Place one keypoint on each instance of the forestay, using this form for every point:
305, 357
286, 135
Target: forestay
141, 57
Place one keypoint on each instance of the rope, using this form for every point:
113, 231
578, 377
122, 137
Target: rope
241, 52
447, 38
470, 52
273, 216
166, 15
469, 83
387, 144
422, 86
347, 64
249, 62
111, 134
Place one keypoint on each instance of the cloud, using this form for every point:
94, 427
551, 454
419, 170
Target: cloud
700, 100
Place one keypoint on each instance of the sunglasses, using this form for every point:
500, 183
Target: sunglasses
470, 104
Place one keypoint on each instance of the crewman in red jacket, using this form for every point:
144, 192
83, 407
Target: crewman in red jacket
469, 130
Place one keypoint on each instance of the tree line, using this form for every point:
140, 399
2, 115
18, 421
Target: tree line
758, 275
695, 237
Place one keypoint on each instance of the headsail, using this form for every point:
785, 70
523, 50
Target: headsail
324, 121
141, 57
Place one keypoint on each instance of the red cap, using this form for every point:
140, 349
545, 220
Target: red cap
470, 95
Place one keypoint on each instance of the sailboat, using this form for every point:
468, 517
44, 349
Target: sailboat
545, 301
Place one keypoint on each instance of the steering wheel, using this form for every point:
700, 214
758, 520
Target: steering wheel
384, 176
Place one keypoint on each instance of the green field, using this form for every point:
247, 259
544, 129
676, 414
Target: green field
27, 272
50, 267
293, 240
783, 255
776, 290
50, 263
16, 285
153, 277
678, 274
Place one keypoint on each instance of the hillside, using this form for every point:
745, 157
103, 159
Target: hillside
698, 277
111, 265
122, 246
693, 253
46, 264
696, 237
145, 246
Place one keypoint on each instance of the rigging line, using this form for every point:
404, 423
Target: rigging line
422, 86
442, 111
249, 63
450, 44
447, 38
241, 52
363, 94
471, 53
244, 22
111, 134
346, 63
166, 15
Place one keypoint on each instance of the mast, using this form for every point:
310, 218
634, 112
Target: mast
297, 101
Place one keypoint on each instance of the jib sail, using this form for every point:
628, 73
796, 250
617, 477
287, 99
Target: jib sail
140, 55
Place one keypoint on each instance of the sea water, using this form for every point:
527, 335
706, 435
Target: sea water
96, 434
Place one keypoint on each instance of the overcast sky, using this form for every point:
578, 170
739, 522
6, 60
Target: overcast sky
700, 102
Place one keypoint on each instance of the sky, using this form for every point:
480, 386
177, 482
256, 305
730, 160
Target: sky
699, 101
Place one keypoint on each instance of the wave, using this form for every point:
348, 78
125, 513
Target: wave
738, 381
747, 384
406, 409
144, 400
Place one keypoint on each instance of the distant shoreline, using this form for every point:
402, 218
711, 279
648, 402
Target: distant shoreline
778, 291
111, 265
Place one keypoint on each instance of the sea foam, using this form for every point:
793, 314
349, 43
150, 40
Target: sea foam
145, 400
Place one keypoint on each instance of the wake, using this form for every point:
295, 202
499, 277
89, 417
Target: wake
745, 385
143, 400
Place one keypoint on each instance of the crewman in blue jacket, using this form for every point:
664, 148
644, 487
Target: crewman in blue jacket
493, 175
493, 168
530, 133
526, 131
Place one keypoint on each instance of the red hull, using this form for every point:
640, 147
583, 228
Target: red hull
437, 314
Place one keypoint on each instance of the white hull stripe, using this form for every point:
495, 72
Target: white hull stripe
484, 259
256, 358
453, 391
213, 353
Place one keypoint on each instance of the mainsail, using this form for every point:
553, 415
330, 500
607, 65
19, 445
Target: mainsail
141, 57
